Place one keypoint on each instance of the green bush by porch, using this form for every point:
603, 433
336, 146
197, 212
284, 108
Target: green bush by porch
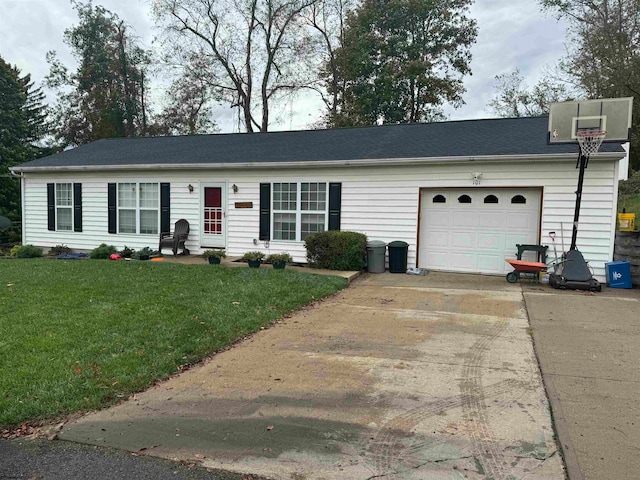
336, 250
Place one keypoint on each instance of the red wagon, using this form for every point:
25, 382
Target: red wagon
521, 266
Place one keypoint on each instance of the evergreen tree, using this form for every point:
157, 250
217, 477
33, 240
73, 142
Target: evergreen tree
22, 125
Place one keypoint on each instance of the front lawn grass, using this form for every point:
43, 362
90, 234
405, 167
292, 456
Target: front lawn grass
79, 335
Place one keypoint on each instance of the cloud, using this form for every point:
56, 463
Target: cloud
512, 34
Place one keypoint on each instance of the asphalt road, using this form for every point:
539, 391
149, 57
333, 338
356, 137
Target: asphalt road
60, 460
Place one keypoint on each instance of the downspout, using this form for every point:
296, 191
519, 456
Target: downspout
614, 224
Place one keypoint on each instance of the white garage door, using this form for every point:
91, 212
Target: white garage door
474, 230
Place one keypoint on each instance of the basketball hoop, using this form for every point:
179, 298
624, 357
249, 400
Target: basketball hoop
590, 140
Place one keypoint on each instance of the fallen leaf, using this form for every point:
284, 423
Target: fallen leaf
235, 303
77, 371
270, 427
199, 455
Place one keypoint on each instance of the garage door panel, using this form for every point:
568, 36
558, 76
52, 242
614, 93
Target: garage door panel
491, 219
491, 241
464, 262
476, 237
463, 218
437, 258
438, 239
439, 218
464, 240
489, 263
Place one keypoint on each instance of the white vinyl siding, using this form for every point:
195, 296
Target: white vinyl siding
382, 202
64, 206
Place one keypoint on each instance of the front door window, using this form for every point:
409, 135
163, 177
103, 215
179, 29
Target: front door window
213, 217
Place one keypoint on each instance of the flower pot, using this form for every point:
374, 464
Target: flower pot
254, 263
214, 261
279, 265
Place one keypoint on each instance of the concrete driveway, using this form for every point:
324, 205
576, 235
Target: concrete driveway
397, 377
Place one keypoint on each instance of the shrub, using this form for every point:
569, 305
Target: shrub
214, 253
10, 235
145, 253
103, 252
279, 257
631, 187
27, 251
336, 250
252, 256
58, 250
126, 252
14, 250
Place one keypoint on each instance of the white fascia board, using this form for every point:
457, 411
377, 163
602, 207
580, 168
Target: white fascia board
317, 164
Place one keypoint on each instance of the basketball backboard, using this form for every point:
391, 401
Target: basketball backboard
610, 114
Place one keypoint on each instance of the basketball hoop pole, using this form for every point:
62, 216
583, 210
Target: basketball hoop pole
583, 160
589, 140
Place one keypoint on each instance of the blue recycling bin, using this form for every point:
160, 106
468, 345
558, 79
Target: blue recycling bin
618, 274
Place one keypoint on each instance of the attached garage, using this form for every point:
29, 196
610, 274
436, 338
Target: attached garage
474, 230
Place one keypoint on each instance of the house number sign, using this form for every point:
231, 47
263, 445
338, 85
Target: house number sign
243, 204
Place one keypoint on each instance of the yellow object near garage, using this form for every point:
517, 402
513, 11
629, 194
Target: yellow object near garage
626, 222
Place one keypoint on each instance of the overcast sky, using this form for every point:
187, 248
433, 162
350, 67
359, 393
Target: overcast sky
512, 34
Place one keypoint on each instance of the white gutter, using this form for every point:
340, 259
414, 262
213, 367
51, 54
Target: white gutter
316, 164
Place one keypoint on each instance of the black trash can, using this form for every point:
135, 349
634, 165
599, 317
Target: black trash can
398, 251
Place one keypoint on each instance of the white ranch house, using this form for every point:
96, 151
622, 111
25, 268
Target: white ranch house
462, 194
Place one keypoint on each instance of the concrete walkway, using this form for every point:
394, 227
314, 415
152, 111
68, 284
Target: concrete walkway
234, 262
589, 351
397, 377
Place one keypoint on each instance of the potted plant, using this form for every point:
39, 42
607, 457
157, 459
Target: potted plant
143, 254
254, 259
214, 256
279, 260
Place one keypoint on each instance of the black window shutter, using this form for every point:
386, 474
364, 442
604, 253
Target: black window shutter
265, 211
165, 207
335, 201
112, 208
51, 206
77, 207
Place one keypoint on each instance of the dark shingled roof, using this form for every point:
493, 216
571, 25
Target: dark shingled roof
491, 137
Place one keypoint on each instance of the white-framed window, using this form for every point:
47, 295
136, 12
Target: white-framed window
298, 209
64, 206
139, 208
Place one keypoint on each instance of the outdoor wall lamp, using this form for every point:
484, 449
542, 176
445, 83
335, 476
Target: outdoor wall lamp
190, 187
234, 187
